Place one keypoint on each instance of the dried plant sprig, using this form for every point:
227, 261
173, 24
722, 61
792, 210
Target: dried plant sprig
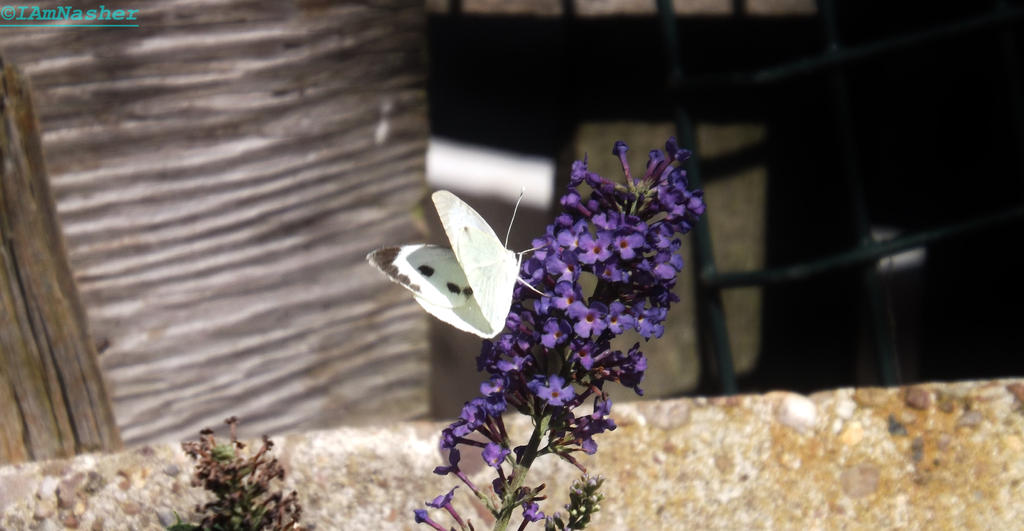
241, 485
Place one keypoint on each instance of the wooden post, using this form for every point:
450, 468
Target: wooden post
52, 399
218, 193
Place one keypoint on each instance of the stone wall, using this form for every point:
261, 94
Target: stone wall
932, 456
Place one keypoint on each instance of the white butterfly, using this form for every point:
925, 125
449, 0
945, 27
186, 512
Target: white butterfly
468, 286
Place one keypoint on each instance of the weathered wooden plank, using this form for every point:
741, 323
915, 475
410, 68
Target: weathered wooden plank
618, 8
220, 173
52, 398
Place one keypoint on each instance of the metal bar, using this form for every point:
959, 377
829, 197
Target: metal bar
806, 65
1011, 62
833, 58
708, 297
881, 333
859, 255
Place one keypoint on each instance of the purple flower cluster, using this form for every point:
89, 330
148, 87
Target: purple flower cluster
556, 351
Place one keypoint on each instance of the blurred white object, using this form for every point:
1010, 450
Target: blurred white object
909, 259
482, 171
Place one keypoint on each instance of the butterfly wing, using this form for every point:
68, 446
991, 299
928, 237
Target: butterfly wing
467, 317
456, 214
489, 267
436, 279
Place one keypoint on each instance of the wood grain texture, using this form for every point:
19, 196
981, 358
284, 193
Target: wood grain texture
220, 173
53, 402
620, 8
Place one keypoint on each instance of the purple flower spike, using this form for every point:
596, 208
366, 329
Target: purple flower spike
595, 248
444, 501
657, 168
454, 456
589, 321
664, 270
596, 423
609, 272
556, 332
677, 153
494, 454
473, 414
498, 485
607, 264
513, 365
633, 369
531, 512
423, 518
441, 501
564, 267
620, 150
627, 245
654, 317
565, 295
608, 221
554, 391
494, 386
619, 319
579, 172
584, 354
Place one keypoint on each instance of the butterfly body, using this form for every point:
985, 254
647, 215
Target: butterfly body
468, 286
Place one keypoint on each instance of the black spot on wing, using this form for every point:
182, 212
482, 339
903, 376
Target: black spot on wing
467, 291
453, 287
426, 270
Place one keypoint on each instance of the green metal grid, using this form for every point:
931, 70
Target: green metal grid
831, 62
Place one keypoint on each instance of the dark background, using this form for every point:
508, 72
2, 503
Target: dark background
937, 135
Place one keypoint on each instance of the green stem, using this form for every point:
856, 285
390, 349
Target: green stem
519, 472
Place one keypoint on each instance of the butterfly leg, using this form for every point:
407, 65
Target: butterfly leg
519, 267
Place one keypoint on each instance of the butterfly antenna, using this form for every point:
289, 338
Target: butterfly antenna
514, 210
